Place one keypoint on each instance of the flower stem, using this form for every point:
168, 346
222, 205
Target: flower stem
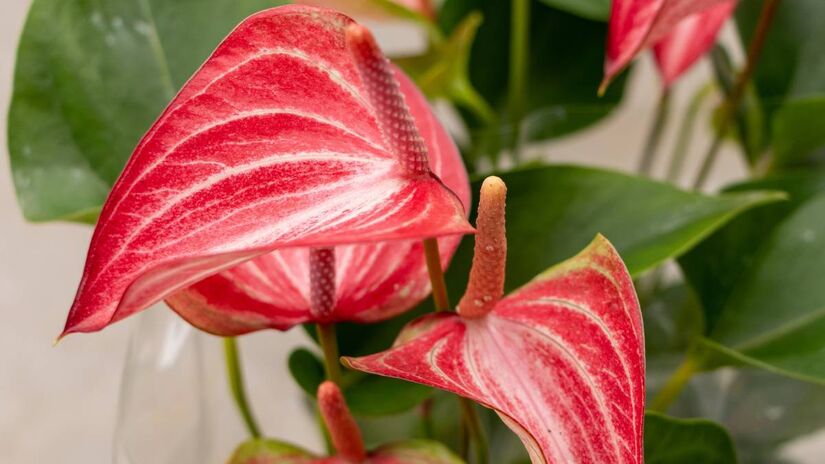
675, 384
473, 424
654, 137
731, 104
519, 54
470, 421
236, 384
329, 345
440, 297
685, 134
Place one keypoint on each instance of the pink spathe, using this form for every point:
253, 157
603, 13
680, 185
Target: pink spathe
273, 147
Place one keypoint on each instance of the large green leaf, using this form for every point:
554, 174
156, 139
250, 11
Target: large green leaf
553, 211
798, 138
90, 78
561, 91
775, 314
686, 441
761, 305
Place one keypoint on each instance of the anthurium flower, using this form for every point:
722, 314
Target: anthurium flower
561, 360
681, 31
347, 441
295, 134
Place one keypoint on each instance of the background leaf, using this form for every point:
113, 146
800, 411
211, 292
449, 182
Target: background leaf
798, 137
554, 210
686, 441
755, 278
367, 395
90, 79
561, 92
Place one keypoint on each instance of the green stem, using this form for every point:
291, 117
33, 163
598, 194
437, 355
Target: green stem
440, 297
473, 424
236, 385
685, 135
654, 137
731, 104
675, 384
470, 420
519, 54
329, 345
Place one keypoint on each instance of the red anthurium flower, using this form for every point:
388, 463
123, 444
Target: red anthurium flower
295, 134
369, 8
346, 439
680, 30
561, 359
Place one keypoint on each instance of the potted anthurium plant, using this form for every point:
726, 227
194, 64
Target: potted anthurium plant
297, 176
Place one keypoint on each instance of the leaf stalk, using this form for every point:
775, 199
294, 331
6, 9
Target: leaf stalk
236, 385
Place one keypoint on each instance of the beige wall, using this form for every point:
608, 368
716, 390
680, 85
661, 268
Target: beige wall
58, 404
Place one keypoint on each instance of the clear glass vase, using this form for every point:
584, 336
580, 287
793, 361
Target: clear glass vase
175, 403
163, 408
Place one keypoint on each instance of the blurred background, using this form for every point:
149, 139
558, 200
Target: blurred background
61, 403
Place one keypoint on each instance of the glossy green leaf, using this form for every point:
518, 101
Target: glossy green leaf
307, 370
669, 440
775, 314
367, 395
561, 91
598, 10
757, 280
715, 265
553, 211
798, 137
90, 79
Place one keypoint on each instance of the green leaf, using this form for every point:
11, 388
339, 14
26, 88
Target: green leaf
261, 450
561, 90
793, 60
715, 265
268, 451
686, 441
553, 211
775, 315
798, 137
598, 10
442, 72
307, 370
367, 395
90, 79
757, 280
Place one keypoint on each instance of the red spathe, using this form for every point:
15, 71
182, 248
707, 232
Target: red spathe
273, 144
